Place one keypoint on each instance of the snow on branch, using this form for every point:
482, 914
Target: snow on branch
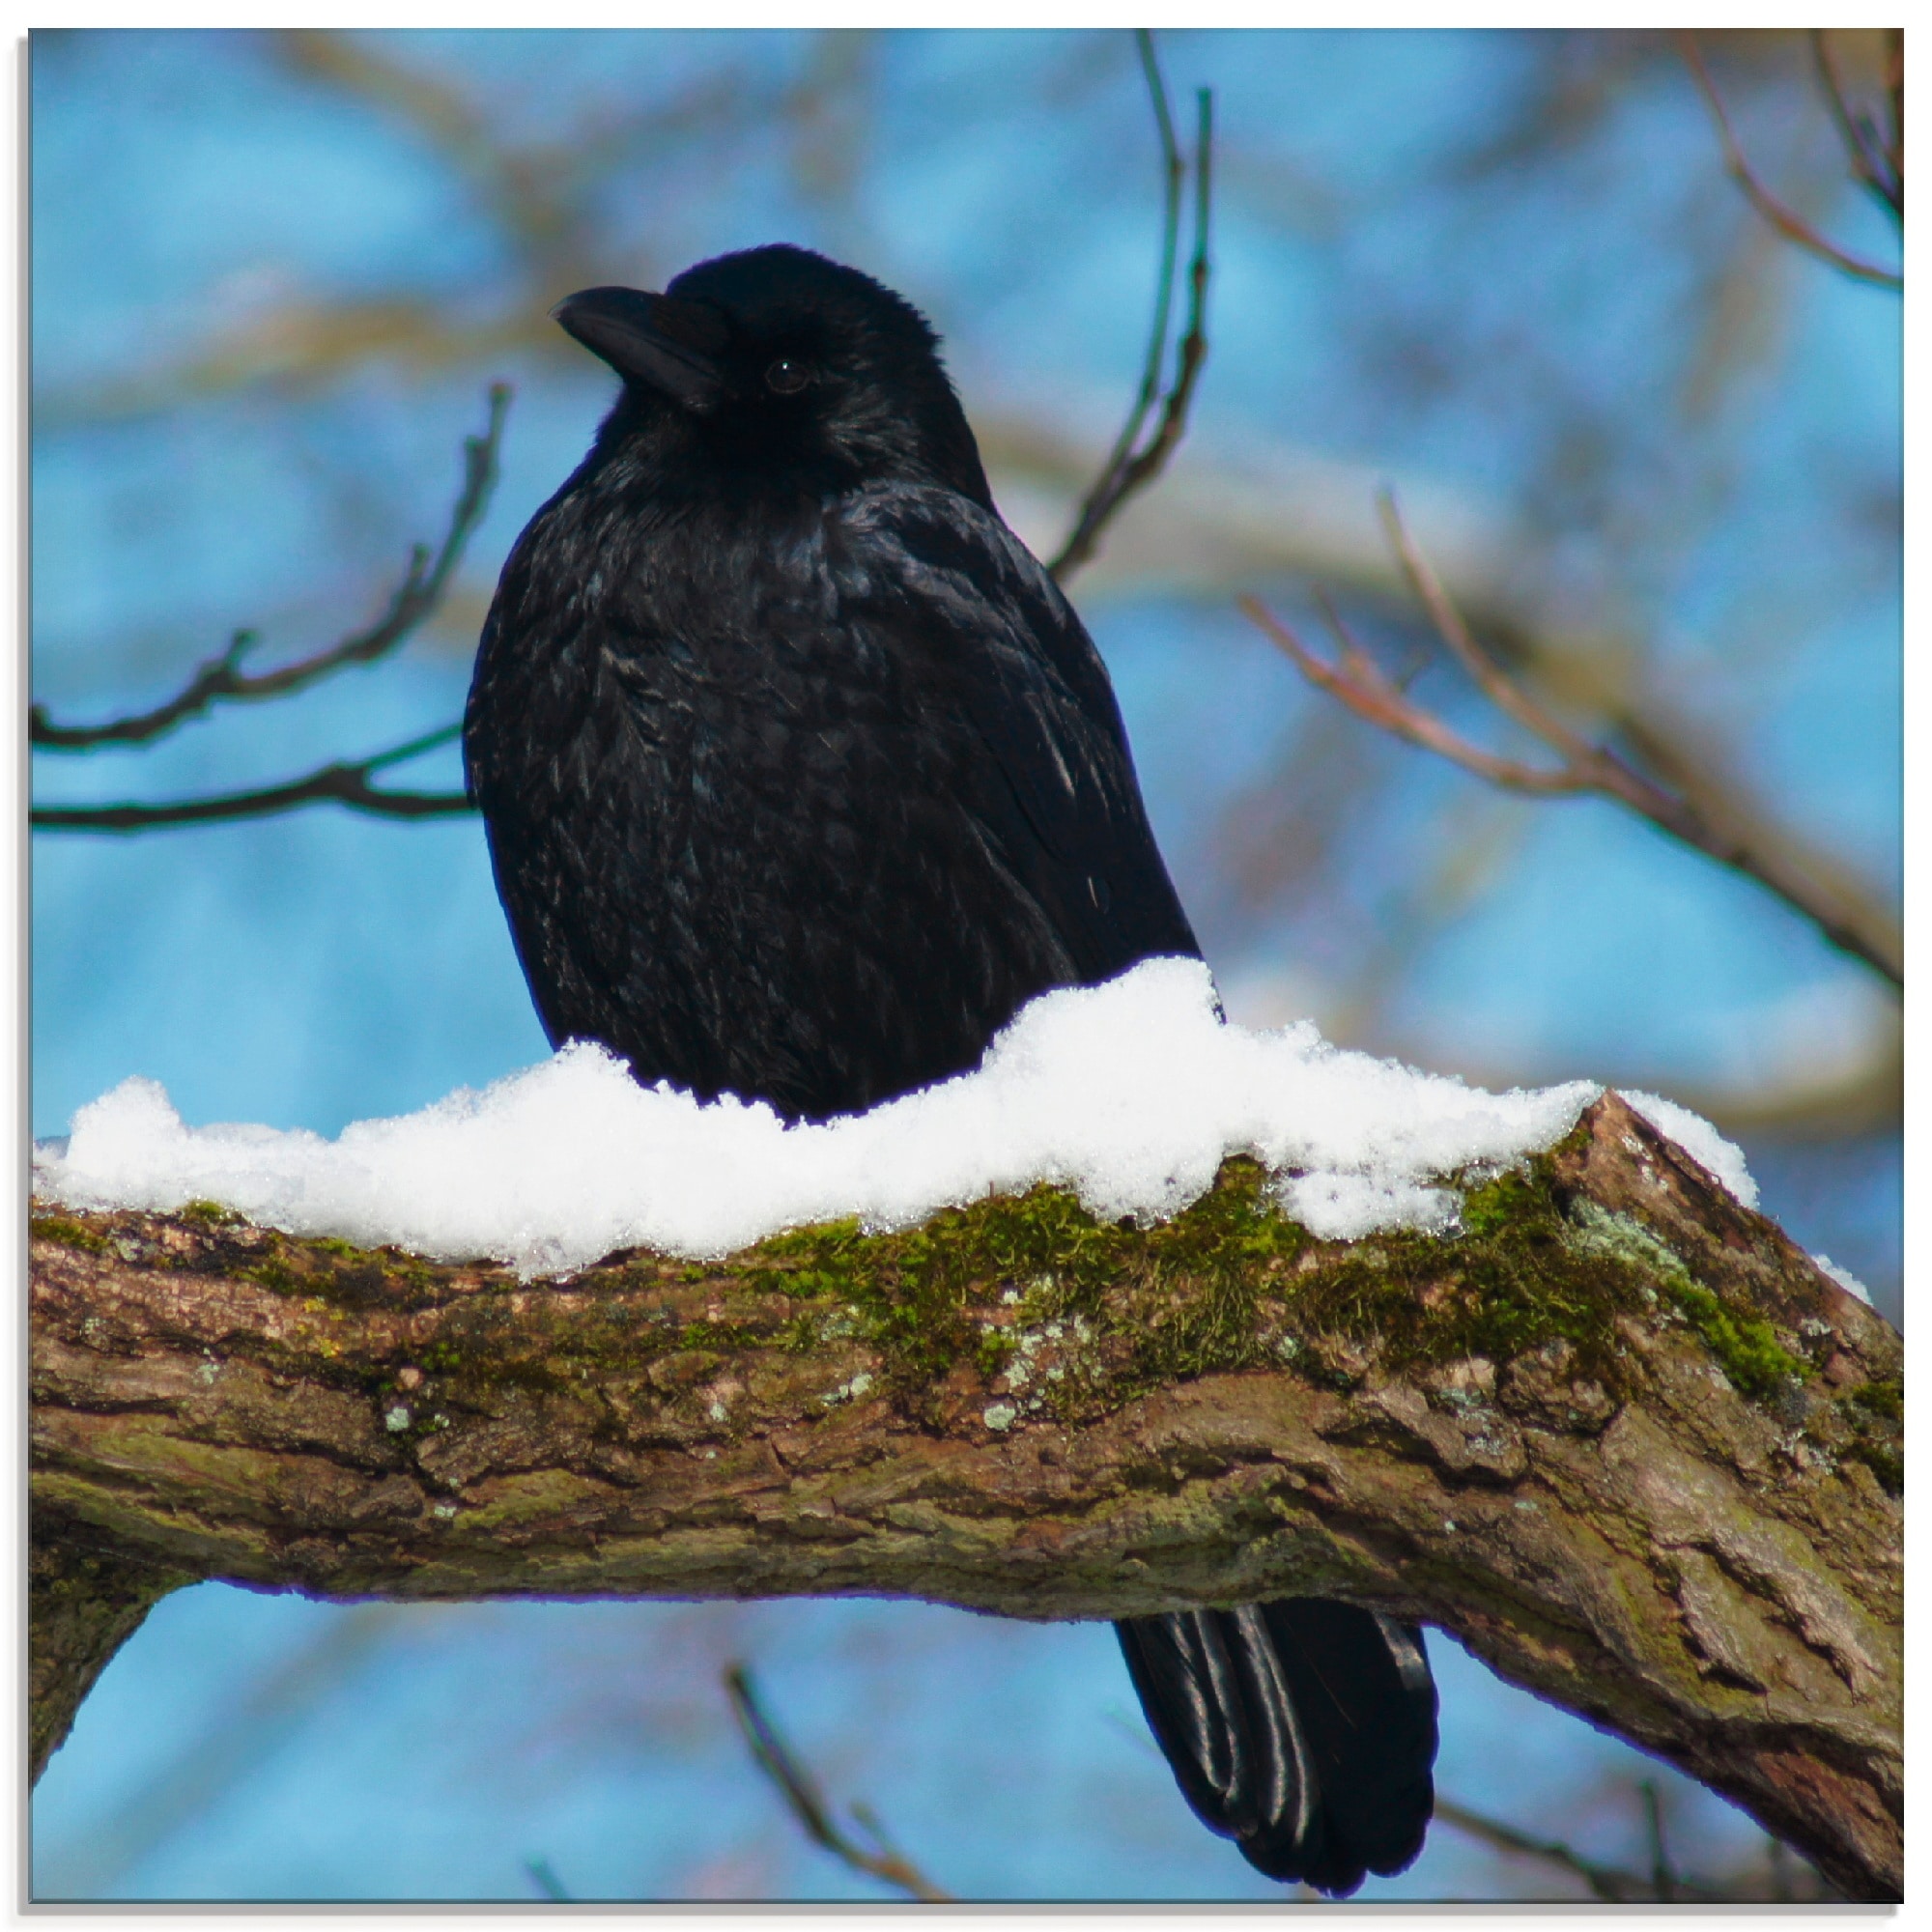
1131, 1093
1609, 1429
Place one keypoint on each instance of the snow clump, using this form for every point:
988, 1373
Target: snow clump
1130, 1094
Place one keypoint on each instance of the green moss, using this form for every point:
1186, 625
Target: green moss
1885, 1398
1747, 1346
996, 1351
212, 1214
726, 1337
1175, 1299
68, 1234
273, 1274
1875, 1411
1509, 1201
334, 1270
1069, 1315
1233, 1283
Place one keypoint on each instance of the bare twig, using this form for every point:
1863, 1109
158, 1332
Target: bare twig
222, 679
1878, 162
1663, 1882
1130, 467
1359, 684
343, 783
1610, 1882
541, 1874
779, 1762
1791, 225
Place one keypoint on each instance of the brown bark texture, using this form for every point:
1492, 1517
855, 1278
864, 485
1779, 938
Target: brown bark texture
1617, 1435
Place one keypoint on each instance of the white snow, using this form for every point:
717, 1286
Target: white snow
1723, 1160
1130, 1094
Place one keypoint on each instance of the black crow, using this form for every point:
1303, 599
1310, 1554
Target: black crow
801, 777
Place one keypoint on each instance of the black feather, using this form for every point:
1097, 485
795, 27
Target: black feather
800, 776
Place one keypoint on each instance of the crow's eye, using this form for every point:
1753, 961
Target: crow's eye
787, 377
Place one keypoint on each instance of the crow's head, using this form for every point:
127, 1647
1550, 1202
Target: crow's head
779, 360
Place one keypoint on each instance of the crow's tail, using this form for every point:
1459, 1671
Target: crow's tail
1303, 1729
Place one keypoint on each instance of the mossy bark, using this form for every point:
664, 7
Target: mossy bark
1618, 1435
89, 1597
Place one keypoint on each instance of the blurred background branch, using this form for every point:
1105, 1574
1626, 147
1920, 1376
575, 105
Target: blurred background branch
1776, 1876
1880, 166
1878, 158
222, 680
533, 191
775, 1756
1130, 465
1700, 815
343, 781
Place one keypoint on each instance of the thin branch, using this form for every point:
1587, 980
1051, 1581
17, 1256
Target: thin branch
777, 1759
1792, 226
339, 783
221, 679
543, 1875
1664, 1883
1174, 175
1359, 684
1128, 468
1490, 677
1606, 1882
1878, 163
1611, 1883
1600, 770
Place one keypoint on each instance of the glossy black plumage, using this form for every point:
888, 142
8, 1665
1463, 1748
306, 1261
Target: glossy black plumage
800, 776
1303, 1729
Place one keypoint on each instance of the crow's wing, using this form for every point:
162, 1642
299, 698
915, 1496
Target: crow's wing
1303, 1729
1053, 785
1366, 1703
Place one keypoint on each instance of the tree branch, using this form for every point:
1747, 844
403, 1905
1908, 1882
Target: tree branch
1359, 684
1620, 1437
1879, 163
338, 784
1792, 226
1129, 469
1612, 1884
222, 679
799, 1789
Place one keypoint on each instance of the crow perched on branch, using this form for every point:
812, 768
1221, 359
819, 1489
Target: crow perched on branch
801, 777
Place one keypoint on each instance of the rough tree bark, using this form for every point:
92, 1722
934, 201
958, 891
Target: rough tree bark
1619, 1435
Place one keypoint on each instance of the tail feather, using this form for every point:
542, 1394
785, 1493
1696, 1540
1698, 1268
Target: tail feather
1303, 1729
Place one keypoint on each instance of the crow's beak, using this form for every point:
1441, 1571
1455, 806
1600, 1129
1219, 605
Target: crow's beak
669, 344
